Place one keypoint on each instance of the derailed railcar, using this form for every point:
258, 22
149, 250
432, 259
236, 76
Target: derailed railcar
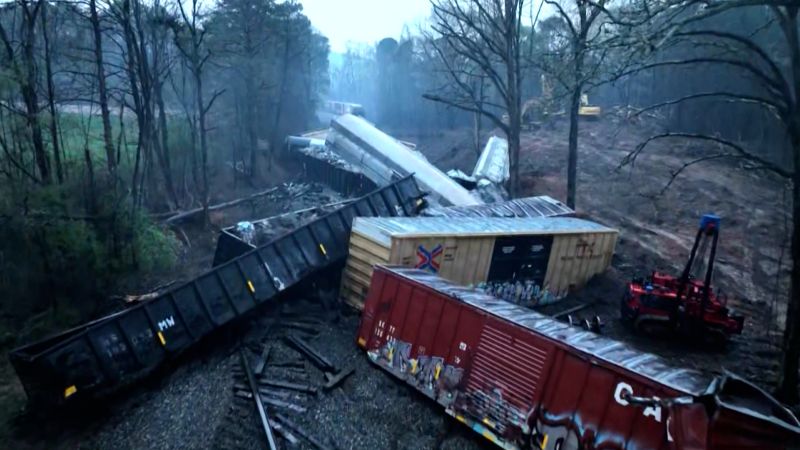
522, 379
102, 355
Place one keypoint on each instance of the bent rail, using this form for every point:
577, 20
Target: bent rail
101, 355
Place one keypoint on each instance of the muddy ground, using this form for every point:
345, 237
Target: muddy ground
192, 403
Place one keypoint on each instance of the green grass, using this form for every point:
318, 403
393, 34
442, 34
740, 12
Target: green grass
74, 127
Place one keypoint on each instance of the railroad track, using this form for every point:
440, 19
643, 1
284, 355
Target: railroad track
287, 382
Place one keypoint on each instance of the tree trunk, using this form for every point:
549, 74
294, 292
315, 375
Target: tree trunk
31, 98
572, 159
788, 387
273, 144
476, 132
108, 139
51, 94
91, 206
165, 160
513, 153
203, 139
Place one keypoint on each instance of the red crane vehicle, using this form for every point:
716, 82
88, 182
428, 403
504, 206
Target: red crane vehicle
687, 303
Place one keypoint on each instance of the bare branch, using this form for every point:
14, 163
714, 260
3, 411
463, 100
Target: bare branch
731, 96
630, 158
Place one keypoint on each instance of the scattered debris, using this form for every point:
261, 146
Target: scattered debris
288, 364
286, 434
262, 360
296, 429
313, 355
571, 310
334, 379
283, 404
307, 328
130, 299
304, 388
259, 405
595, 325
179, 216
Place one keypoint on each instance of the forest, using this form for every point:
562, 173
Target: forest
119, 116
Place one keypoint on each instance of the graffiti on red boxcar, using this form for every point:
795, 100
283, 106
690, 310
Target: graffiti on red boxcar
425, 372
526, 293
490, 406
564, 432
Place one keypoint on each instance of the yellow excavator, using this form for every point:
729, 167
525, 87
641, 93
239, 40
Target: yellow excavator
538, 110
587, 111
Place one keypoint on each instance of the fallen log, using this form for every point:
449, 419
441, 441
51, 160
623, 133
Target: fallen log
178, 216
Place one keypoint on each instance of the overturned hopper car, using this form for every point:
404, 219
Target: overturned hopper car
112, 351
523, 380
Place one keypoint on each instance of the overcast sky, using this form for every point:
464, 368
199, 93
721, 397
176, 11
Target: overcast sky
364, 21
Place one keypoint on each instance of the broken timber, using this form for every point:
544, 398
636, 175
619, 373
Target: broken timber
304, 388
571, 310
262, 361
298, 430
334, 380
259, 405
97, 357
313, 355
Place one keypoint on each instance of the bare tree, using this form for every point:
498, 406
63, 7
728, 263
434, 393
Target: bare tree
51, 94
583, 38
102, 91
775, 69
474, 39
189, 39
24, 69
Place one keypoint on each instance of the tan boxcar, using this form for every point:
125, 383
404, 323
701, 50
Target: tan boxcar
526, 260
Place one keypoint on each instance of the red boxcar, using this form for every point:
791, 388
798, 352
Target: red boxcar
522, 379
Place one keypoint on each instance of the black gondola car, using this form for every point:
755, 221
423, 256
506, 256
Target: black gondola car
101, 355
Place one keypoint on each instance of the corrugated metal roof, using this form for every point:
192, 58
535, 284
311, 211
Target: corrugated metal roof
648, 365
541, 206
382, 229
